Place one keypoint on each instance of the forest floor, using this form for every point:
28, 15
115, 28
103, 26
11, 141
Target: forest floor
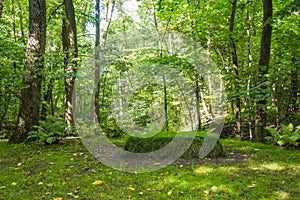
69, 171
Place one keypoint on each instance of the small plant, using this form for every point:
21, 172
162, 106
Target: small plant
49, 131
287, 135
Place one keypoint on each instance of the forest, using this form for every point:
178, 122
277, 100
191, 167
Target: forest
160, 76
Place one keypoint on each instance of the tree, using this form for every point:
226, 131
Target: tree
264, 59
69, 38
28, 115
235, 66
109, 9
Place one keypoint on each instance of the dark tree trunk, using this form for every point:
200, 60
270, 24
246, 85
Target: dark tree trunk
95, 101
198, 99
69, 38
235, 67
1, 7
29, 110
166, 105
48, 100
293, 99
265, 50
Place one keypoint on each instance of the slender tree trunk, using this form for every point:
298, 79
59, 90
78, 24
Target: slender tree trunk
235, 67
21, 23
1, 7
95, 111
29, 110
265, 51
199, 124
250, 121
166, 105
292, 106
69, 38
47, 100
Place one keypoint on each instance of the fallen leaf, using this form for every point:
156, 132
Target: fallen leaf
141, 193
170, 192
2, 187
206, 191
214, 188
13, 183
131, 188
40, 183
57, 198
97, 182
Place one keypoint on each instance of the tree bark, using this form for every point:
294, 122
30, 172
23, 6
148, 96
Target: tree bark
197, 90
28, 115
1, 7
166, 105
265, 51
48, 100
235, 67
95, 110
69, 38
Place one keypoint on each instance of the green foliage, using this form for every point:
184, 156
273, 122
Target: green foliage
160, 140
287, 135
49, 131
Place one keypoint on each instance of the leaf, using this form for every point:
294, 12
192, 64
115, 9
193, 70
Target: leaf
131, 188
13, 183
97, 182
214, 188
170, 192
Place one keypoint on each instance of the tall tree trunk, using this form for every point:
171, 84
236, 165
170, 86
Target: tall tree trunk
265, 51
248, 101
235, 67
69, 38
95, 111
28, 115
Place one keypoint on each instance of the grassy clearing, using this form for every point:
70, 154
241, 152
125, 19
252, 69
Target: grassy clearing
68, 171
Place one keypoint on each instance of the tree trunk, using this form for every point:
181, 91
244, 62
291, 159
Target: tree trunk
293, 99
235, 67
29, 110
1, 7
265, 50
166, 105
69, 38
95, 111
48, 100
197, 90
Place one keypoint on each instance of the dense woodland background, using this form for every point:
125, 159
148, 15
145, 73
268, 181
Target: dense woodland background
44, 45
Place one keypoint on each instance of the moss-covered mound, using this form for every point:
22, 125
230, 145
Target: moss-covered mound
150, 144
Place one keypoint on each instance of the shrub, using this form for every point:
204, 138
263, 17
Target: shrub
49, 131
287, 135
143, 145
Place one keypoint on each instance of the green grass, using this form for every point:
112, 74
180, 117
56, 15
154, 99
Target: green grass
68, 171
